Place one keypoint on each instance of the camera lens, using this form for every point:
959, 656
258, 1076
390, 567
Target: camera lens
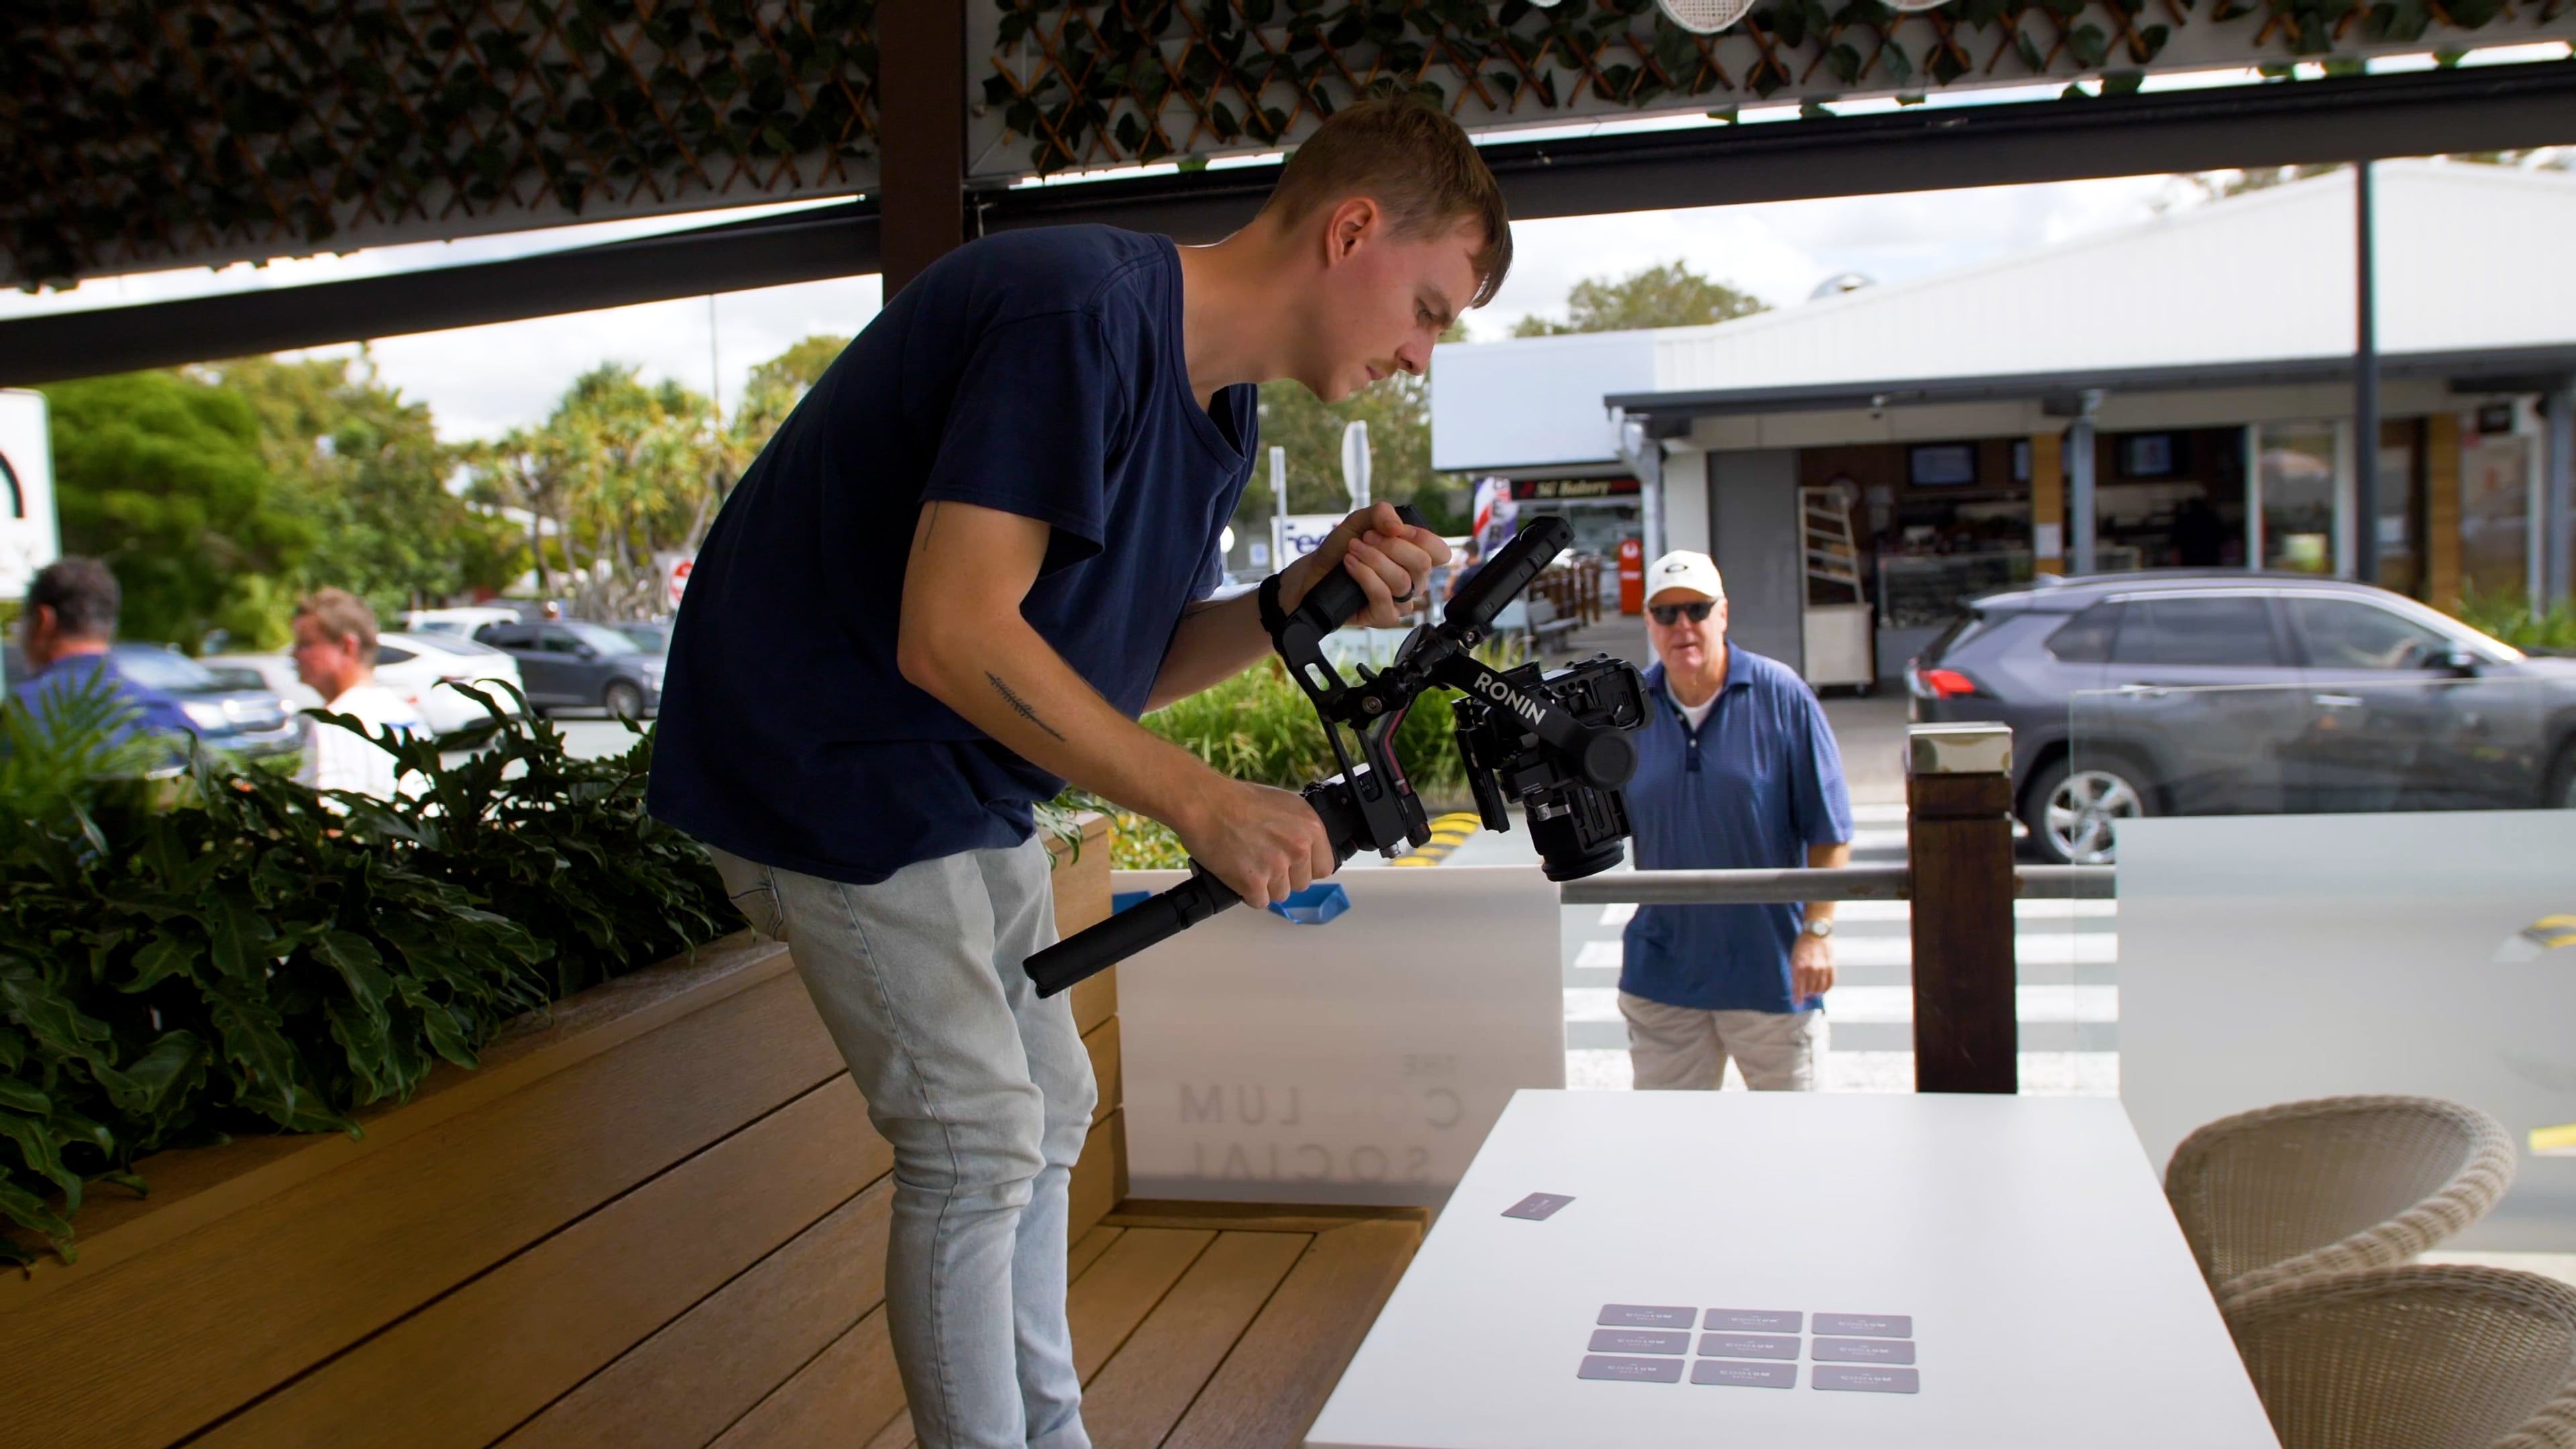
1571, 842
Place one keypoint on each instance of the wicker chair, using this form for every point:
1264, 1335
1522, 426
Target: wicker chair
2413, 1357
2332, 1185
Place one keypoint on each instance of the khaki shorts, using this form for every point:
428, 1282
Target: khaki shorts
1681, 1048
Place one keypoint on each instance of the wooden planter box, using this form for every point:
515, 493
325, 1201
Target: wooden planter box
655, 1216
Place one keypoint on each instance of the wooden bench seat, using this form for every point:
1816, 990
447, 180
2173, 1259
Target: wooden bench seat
1207, 1325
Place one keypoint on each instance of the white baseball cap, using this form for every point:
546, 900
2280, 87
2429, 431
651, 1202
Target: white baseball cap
1685, 569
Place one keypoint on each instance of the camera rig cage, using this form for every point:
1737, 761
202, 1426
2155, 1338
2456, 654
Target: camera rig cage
1558, 743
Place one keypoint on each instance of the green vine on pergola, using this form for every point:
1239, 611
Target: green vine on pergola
140, 130
1145, 80
147, 134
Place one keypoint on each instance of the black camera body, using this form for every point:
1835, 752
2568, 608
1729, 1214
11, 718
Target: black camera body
1557, 743
1580, 828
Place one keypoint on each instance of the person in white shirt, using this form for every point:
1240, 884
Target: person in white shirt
335, 655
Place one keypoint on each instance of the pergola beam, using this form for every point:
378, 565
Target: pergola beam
1918, 149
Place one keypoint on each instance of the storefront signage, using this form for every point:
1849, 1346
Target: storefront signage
1527, 490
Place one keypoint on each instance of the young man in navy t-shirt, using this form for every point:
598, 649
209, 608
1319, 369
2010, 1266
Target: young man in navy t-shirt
973, 555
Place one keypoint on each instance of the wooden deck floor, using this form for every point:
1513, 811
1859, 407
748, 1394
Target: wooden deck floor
1204, 1326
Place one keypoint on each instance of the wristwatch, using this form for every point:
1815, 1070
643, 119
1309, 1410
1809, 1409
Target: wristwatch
1819, 926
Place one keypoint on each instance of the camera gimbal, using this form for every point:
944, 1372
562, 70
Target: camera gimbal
1557, 743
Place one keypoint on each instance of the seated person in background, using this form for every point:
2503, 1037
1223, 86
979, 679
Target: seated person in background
65, 633
335, 655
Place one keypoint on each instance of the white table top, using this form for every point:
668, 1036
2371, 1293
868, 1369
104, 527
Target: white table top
2053, 1299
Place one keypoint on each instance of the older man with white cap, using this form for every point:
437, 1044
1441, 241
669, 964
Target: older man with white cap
1736, 768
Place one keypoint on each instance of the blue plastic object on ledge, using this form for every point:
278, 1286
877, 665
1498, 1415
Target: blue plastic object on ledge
1314, 905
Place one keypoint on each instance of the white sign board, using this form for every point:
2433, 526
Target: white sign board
1300, 534
1358, 1061
28, 540
2268, 959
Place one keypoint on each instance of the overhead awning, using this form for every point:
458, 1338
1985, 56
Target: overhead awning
2518, 369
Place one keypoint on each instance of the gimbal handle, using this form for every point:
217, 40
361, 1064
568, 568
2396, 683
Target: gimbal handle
1158, 918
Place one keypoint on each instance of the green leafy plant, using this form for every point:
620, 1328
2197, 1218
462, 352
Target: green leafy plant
248, 954
2511, 618
1258, 726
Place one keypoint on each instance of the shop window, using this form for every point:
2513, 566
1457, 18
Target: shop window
2495, 510
2232, 631
2296, 462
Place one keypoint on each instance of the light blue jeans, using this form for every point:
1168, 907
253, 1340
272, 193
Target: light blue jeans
985, 1093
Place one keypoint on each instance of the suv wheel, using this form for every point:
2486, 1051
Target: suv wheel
2073, 815
624, 700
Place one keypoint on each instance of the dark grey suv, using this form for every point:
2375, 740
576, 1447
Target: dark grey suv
2188, 693
570, 664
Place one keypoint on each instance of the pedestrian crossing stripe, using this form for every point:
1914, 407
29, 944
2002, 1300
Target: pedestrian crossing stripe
1447, 834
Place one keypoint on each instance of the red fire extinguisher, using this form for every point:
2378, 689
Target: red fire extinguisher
1632, 576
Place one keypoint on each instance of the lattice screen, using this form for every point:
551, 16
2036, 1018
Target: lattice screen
136, 135
1083, 83
142, 134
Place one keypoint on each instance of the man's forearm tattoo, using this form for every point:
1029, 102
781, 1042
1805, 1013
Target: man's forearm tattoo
1027, 710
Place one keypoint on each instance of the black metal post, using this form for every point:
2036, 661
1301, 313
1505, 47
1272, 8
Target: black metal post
2365, 389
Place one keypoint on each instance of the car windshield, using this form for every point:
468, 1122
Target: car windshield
606, 641
236, 676
165, 670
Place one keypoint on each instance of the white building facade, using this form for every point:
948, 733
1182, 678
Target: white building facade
2186, 385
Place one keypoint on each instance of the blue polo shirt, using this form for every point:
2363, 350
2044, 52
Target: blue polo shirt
151, 711
1037, 372
1757, 783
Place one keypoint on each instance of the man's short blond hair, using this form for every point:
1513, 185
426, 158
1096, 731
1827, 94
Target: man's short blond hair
1403, 154
342, 615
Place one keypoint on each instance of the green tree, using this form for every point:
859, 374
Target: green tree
620, 471
366, 468
772, 392
776, 386
1670, 295
161, 475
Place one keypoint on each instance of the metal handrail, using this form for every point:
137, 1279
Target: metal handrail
1850, 883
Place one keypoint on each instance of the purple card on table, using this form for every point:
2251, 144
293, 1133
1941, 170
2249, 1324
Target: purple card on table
1643, 1315
1866, 1380
1748, 1345
1864, 1350
1745, 1375
1632, 1370
1865, 1325
1642, 1340
1747, 1320
1537, 1206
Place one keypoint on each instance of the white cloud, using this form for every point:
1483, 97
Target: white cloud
482, 381
1781, 250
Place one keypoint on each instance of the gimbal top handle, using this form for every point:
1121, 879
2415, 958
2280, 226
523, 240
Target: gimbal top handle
1471, 613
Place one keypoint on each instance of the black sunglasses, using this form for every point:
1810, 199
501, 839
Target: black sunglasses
1668, 614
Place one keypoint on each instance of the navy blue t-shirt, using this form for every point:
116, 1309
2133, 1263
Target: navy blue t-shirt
1038, 372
